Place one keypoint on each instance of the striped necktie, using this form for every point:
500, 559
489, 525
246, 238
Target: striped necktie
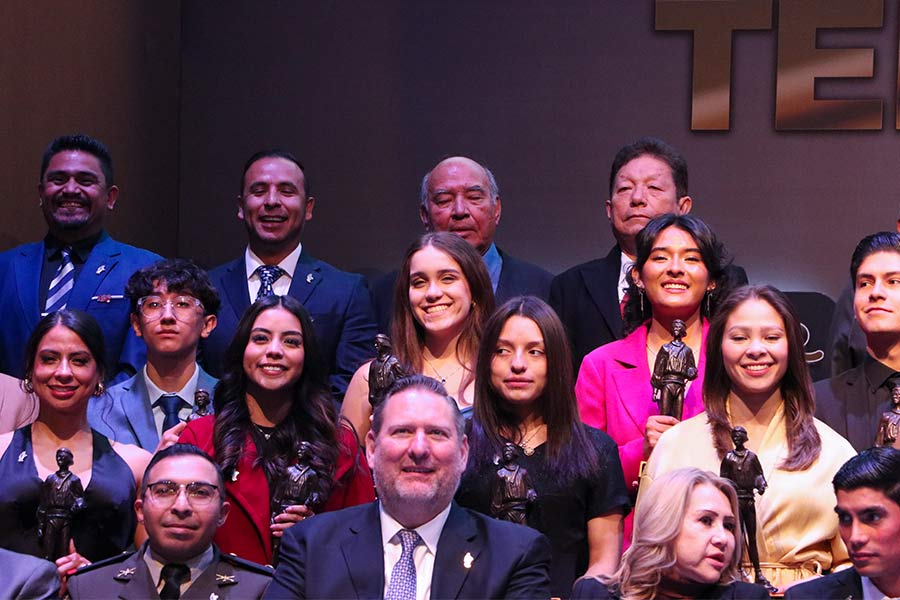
62, 283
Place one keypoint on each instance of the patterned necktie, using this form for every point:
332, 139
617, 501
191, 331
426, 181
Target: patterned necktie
173, 574
403, 576
62, 283
170, 403
268, 274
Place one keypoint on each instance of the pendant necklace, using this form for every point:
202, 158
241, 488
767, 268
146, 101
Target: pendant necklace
438, 373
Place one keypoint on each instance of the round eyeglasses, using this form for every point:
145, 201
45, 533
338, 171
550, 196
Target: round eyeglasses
184, 308
199, 493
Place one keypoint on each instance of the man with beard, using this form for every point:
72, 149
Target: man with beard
415, 542
76, 265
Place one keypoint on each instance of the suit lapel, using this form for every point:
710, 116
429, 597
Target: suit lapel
253, 492
458, 549
220, 575
137, 583
852, 583
206, 382
601, 282
633, 376
307, 277
234, 285
29, 262
137, 406
102, 260
363, 555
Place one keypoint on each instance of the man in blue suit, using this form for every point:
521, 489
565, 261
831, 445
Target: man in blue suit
461, 196
173, 307
26, 576
415, 542
77, 264
275, 203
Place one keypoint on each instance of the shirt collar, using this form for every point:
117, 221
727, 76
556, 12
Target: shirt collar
81, 248
430, 532
876, 372
871, 591
494, 263
186, 393
197, 564
288, 265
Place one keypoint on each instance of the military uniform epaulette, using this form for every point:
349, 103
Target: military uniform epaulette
247, 565
102, 563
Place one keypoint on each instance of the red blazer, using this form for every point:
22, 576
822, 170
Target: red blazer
614, 394
246, 530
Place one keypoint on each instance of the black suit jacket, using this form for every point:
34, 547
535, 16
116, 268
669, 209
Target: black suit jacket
517, 278
339, 555
843, 585
338, 302
844, 404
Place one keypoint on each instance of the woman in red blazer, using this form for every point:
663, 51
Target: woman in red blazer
272, 396
677, 274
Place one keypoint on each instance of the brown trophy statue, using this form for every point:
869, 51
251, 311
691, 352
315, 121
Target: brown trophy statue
61, 497
201, 405
674, 367
742, 467
299, 486
511, 490
384, 370
889, 425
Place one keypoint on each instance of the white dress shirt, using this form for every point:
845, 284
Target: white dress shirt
624, 269
424, 554
186, 393
871, 592
281, 285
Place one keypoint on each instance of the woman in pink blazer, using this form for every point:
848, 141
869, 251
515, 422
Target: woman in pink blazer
677, 274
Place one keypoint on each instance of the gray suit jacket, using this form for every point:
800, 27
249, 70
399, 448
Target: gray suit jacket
25, 576
125, 412
127, 576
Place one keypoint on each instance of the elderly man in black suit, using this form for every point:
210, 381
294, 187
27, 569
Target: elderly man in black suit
868, 508
461, 196
415, 542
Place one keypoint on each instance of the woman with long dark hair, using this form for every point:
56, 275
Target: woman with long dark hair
678, 274
64, 369
524, 396
757, 378
442, 299
273, 395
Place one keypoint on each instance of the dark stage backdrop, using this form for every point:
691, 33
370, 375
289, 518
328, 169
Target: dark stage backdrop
371, 94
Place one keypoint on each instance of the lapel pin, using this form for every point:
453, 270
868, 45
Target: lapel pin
467, 560
125, 573
23, 456
213, 596
309, 278
222, 579
100, 269
234, 475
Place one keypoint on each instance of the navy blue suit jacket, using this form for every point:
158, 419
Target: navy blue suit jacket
340, 555
843, 585
517, 278
125, 412
338, 302
99, 290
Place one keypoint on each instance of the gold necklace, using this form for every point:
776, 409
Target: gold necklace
528, 450
438, 373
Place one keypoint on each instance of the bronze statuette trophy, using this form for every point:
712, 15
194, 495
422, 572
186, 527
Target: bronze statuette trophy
511, 491
384, 370
889, 425
674, 367
201, 405
61, 497
300, 486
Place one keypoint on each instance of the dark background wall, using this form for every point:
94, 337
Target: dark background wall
371, 94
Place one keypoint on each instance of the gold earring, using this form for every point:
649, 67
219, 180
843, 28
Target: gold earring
27, 385
98, 391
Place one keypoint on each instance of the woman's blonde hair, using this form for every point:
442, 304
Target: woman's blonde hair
657, 525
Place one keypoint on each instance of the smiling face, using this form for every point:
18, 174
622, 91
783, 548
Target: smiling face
417, 455
65, 374
274, 206
642, 190
439, 294
705, 545
74, 195
273, 358
755, 349
876, 300
460, 201
869, 524
519, 364
674, 277
167, 335
179, 530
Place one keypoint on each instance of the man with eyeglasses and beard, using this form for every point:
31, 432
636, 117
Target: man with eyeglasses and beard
173, 307
181, 505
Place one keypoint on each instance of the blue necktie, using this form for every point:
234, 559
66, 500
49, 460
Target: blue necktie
170, 403
62, 283
268, 274
403, 576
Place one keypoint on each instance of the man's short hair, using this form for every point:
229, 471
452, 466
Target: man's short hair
493, 188
181, 276
876, 468
655, 147
275, 153
421, 382
82, 143
883, 241
182, 450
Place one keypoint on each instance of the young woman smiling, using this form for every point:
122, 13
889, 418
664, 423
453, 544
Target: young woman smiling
442, 298
757, 378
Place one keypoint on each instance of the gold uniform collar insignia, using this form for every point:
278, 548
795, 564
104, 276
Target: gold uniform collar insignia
223, 579
125, 574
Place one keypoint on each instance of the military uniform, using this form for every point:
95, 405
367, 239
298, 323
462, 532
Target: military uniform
127, 576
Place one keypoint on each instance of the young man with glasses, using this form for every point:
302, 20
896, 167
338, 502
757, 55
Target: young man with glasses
173, 307
181, 505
